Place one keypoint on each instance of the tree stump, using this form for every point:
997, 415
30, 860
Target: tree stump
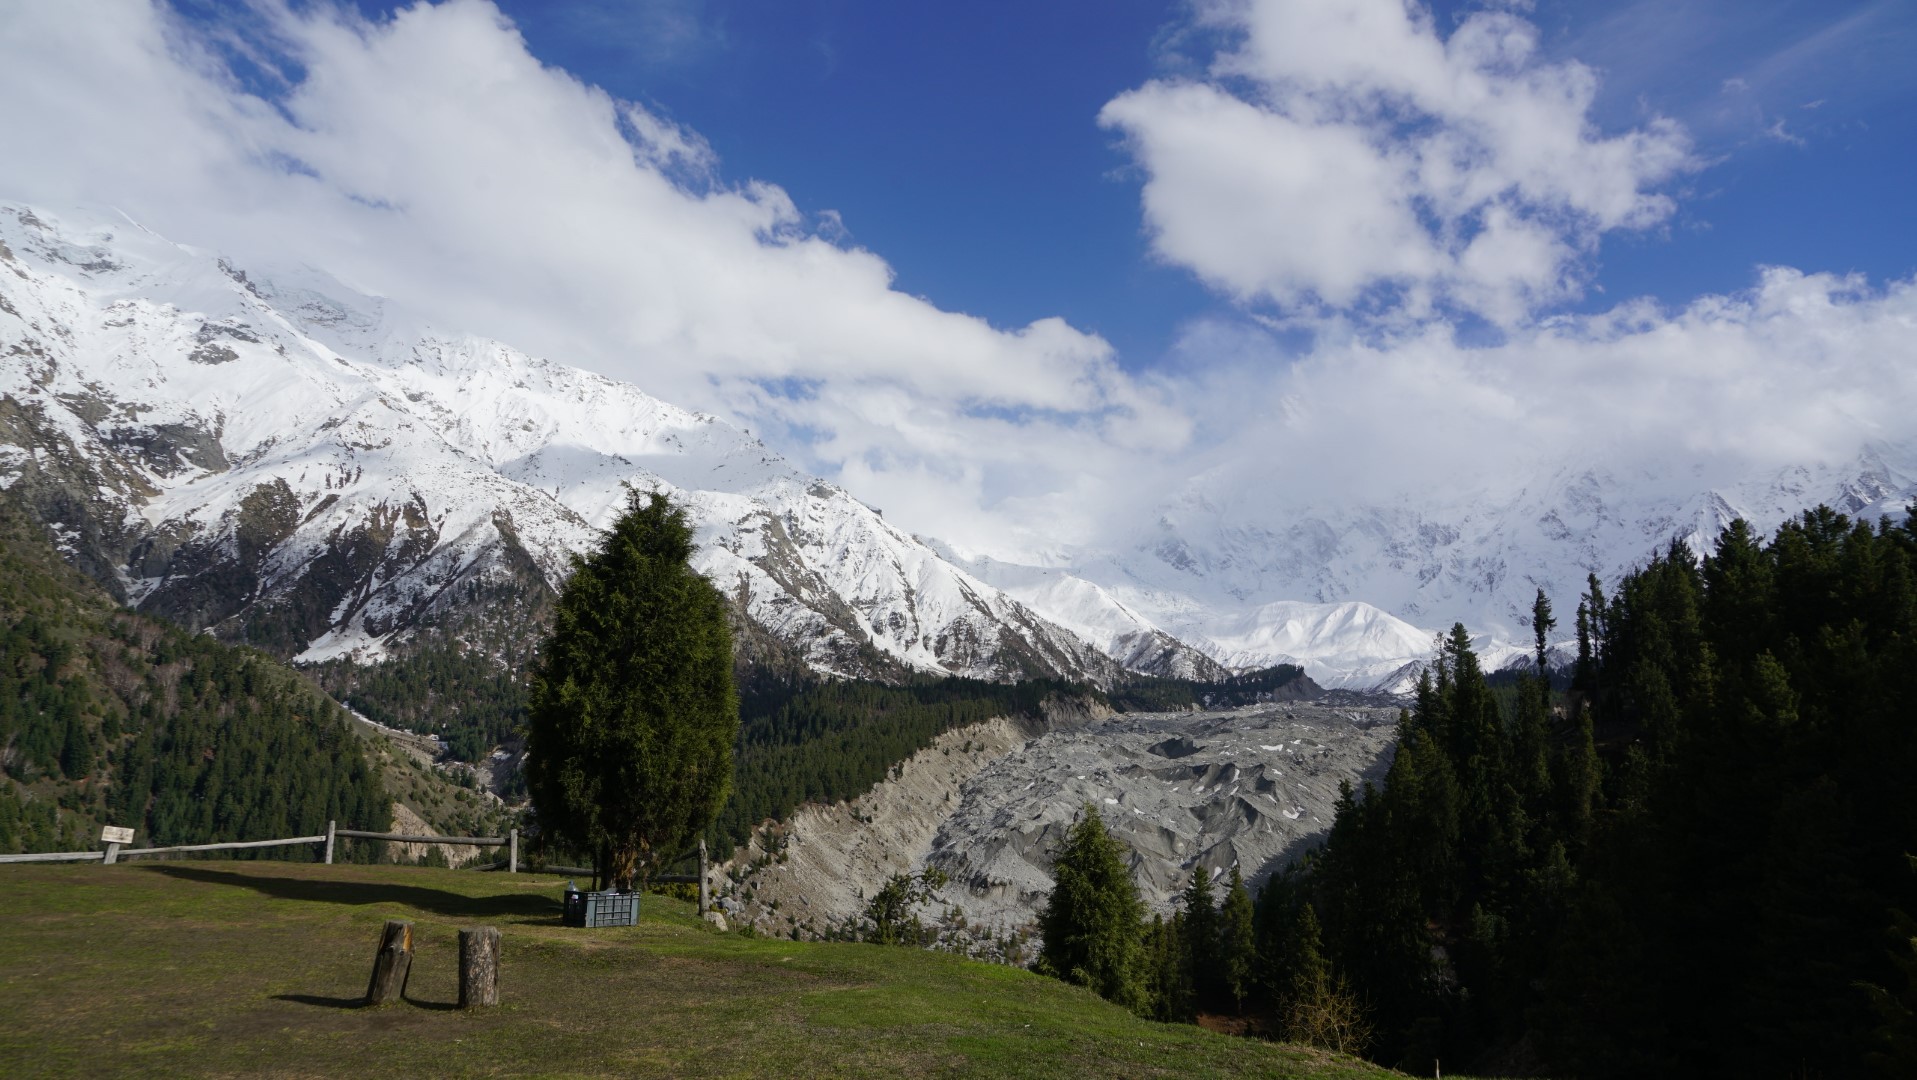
478, 967
392, 964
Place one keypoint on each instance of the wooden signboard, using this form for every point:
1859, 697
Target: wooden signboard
116, 834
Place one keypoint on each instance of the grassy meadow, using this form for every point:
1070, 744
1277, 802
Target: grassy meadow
256, 968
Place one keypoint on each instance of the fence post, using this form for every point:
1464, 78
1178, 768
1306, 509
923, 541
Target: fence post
512, 852
704, 897
329, 843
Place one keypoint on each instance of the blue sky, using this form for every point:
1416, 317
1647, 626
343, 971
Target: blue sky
1025, 274
960, 141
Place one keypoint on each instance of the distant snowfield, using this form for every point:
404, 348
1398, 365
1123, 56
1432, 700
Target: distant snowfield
281, 429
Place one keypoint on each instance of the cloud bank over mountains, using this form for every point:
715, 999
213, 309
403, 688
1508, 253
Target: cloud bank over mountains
1361, 186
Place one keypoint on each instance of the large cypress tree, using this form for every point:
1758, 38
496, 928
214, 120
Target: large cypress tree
632, 712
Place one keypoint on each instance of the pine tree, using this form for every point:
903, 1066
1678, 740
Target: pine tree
632, 712
1895, 1051
1310, 972
1541, 625
1091, 921
1199, 943
1320, 1009
1165, 986
1237, 944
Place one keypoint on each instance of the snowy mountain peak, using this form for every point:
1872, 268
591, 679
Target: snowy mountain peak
273, 454
268, 451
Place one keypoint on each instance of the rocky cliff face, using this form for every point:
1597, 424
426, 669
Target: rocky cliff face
268, 454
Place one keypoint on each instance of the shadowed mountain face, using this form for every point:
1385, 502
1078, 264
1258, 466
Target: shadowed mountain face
291, 464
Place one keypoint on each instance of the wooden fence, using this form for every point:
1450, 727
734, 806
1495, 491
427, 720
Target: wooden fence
116, 851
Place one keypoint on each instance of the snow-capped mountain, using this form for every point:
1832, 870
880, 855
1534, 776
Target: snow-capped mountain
1252, 583
1350, 645
271, 454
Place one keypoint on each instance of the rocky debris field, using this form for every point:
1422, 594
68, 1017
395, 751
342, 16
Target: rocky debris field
1251, 787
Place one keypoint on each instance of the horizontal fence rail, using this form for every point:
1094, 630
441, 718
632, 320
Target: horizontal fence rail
55, 856
402, 838
127, 853
115, 851
510, 842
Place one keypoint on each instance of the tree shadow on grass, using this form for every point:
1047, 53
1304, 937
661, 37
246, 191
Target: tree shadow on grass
360, 1002
515, 907
322, 1002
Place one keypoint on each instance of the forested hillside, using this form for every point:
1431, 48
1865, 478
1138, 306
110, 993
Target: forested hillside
107, 717
466, 688
830, 740
1697, 862
1149, 693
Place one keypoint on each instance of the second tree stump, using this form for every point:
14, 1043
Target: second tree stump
478, 967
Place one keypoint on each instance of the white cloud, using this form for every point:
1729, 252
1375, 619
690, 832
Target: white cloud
1340, 154
1345, 153
1800, 369
430, 157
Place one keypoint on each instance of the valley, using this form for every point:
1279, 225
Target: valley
1289, 538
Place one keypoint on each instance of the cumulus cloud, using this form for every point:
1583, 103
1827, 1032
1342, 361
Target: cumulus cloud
1347, 154
431, 158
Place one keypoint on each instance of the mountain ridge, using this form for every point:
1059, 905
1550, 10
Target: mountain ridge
270, 455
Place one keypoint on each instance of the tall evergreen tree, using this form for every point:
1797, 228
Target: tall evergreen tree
1542, 623
1091, 921
1237, 941
1200, 941
632, 712
1166, 985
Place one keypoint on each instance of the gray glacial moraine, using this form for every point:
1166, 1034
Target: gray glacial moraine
990, 804
1251, 787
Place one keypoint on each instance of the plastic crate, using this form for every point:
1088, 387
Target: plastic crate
602, 909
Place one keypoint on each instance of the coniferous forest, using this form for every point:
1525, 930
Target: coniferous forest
108, 717
820, 741
1694, 861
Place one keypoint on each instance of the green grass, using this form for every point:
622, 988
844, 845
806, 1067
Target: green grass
230, 968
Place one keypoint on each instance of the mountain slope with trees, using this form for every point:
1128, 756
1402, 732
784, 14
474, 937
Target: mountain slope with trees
1696, 862
109, 717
